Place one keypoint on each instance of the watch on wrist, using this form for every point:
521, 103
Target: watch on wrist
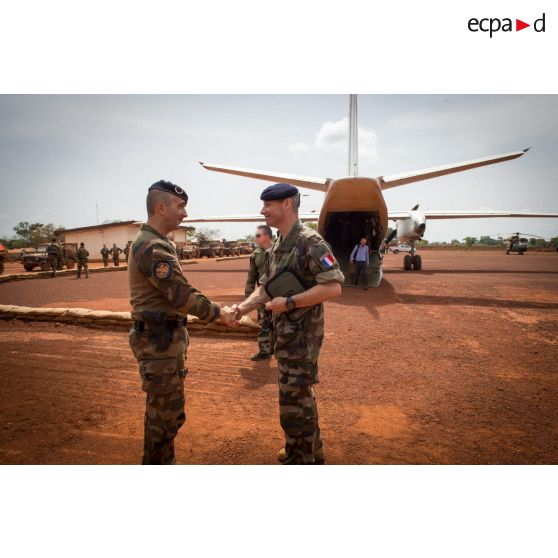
290, 304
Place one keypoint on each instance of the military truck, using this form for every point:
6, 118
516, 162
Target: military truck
39, 258
231, 248
188, 250
246, 248
211, 249
3, 257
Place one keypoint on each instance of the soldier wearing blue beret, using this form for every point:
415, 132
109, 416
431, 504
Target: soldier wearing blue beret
302, 256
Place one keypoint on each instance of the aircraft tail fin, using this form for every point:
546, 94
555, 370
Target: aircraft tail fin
353, 136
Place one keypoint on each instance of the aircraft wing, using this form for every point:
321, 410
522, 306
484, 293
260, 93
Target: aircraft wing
256, 218
394, 180
483, 214
320, 184
398, 215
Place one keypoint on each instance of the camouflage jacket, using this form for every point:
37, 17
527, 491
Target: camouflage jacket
82, 254
115, 251
105, 252
256, 271
157, 283
303, 251
53, 250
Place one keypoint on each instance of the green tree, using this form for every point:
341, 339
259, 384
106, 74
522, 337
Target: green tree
312, 225
33, 234
455, 242
203, 235
488, 241
470, 240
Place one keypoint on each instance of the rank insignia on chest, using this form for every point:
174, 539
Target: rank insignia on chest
327, 261
162, 270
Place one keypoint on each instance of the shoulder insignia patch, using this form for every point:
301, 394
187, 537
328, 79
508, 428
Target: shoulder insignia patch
162, 270
327, 261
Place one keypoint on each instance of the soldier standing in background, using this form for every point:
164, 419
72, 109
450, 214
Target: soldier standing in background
299, 259
255, 273
161, 299
127, 250
53, 255
105, 255
115, 251
82, 259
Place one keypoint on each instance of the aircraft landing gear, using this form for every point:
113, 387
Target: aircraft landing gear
412, 260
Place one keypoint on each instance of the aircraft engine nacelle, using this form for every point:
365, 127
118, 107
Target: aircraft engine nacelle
412, 228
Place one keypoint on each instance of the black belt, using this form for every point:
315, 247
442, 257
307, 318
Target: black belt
141, 325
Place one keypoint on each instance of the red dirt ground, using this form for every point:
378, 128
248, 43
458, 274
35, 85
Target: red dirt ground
454, 364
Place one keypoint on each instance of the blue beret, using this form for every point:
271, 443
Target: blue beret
171, 188
279, 192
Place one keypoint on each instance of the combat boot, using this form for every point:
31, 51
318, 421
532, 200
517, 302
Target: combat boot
284, 459
260, 356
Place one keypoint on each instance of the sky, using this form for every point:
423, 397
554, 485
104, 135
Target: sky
64, 156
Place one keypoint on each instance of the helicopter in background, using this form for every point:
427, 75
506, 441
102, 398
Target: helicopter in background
515, 243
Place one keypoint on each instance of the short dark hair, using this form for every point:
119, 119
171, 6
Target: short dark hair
153, 198
81, 243
267, 230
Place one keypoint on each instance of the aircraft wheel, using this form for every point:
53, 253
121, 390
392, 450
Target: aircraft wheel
407, 264
416, 261
396, 251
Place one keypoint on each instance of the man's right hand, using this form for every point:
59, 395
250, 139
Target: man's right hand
228, 315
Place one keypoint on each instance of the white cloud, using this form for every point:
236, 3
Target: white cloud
334, 136
299, 147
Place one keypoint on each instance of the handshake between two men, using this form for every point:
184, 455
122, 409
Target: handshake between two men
231, 315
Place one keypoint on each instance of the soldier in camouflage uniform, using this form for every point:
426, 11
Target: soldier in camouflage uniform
82, 259
105, 255
127, 251
298, 321
53, 255
161, 298
116, 251
256, 271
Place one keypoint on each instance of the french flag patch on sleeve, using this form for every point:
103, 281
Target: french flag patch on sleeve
327, 261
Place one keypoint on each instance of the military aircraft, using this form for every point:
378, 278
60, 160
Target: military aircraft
354, 206
517, 243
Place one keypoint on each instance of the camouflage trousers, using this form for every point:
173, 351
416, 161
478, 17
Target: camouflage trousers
162, 379
298, 411
85, 267
53, 264
105, 262
265, 337
116, 262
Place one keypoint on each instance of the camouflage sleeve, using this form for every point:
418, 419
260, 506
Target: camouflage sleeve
265, 277
252, 279
322, 263
161, 268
